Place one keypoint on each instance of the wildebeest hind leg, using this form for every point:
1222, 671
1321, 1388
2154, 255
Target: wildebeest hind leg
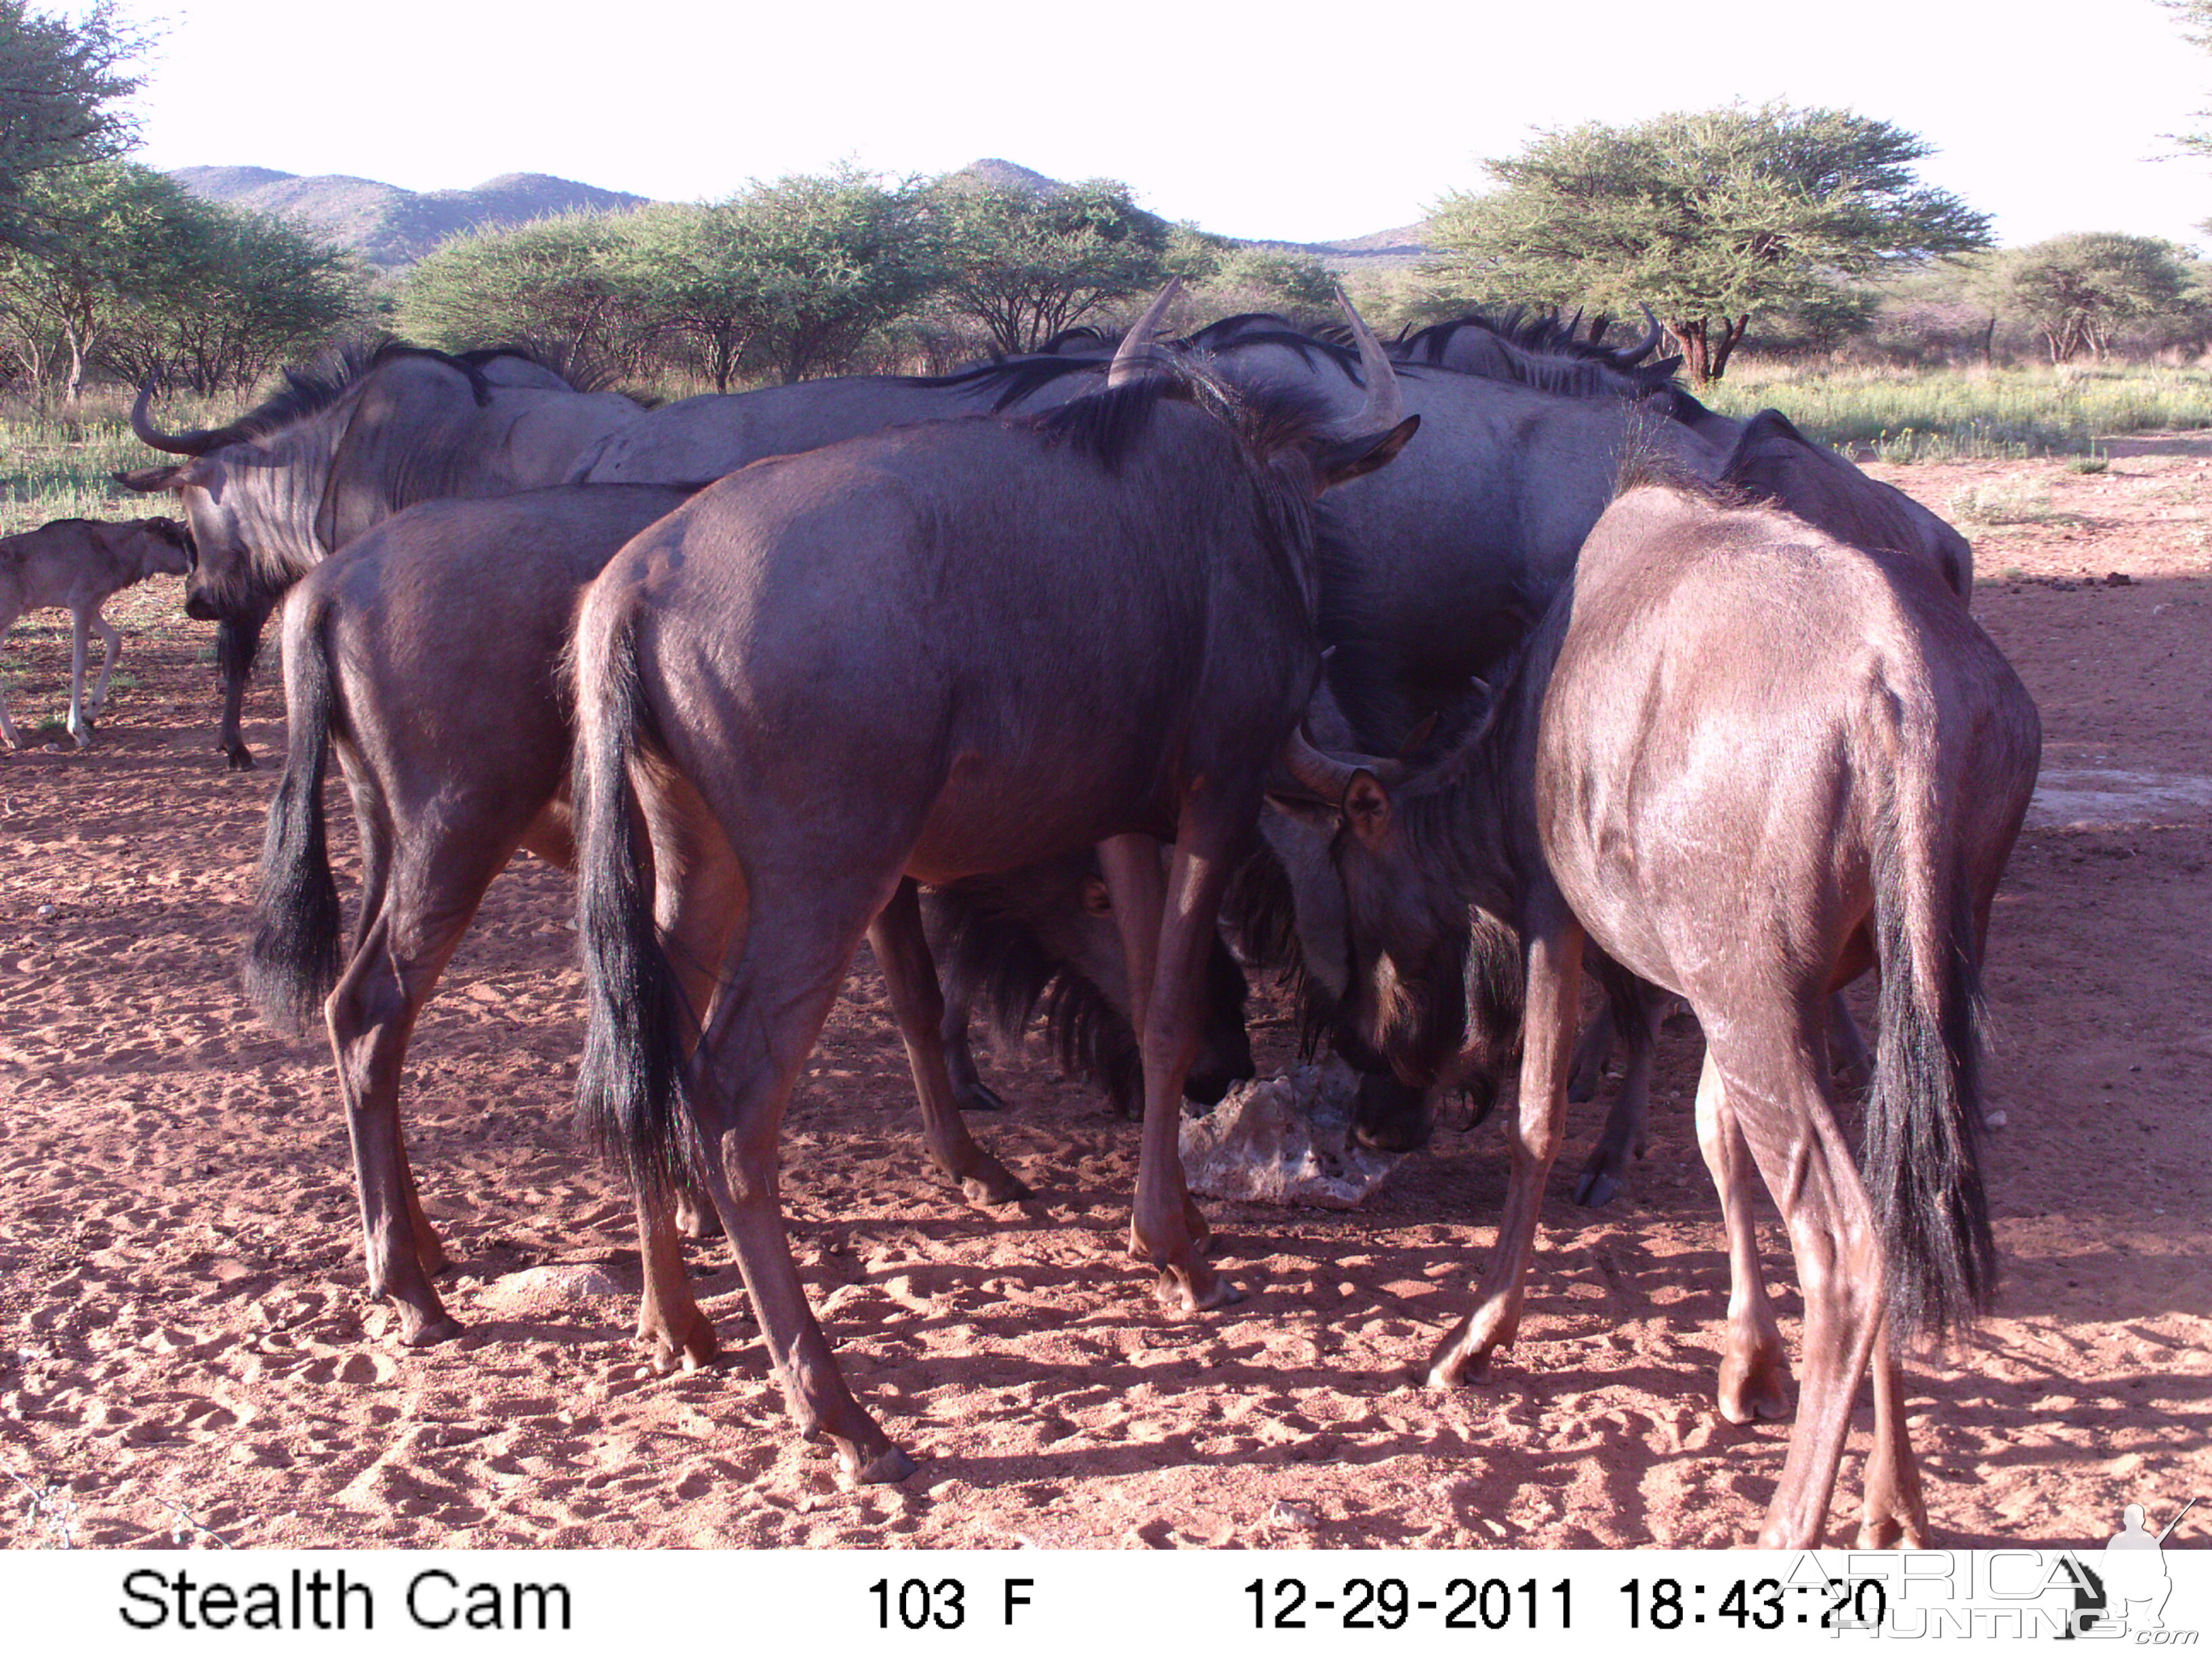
7, 724
1754, 1365
1554, 948
1894, 1514
799, 937
668, 1316
917, 1004
371, 1015
1776, 1071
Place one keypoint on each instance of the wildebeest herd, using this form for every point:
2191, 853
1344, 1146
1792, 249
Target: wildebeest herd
1089, 680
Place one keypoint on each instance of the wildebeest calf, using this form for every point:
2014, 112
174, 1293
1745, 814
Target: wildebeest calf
80, 564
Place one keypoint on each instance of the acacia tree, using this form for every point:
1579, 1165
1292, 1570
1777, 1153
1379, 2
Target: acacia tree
2077, 290
701, 282
61, 84
840, 257
1710, 218
1026, 264
561, 287
111, 233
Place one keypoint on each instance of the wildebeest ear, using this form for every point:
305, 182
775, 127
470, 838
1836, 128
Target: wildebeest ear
146, 480
1096, 899
1367, 807
1350, 457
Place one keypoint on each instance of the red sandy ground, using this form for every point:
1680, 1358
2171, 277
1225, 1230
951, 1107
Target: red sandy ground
184, 1331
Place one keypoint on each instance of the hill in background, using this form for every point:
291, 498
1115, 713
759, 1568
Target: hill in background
392, 227
389, 226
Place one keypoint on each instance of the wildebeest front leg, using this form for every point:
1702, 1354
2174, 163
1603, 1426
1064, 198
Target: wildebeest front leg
1165, 1225
1894, 1514
1627, 1121
237, 643
1555, 950
1754, 1364
968, 1085
917, 1004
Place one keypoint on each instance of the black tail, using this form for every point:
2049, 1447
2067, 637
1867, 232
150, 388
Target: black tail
1924, 1117
629, 1098
292, 961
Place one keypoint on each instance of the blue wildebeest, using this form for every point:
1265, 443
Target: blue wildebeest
79, 564
345, 445
948, 649
424, 655
1744, 761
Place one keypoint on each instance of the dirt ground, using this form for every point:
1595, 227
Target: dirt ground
188, 1349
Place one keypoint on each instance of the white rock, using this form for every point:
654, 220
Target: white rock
536, 1289
1285, 1141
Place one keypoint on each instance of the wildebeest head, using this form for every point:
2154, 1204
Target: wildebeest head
164, 546
1380, 854
270, 494
1773, 461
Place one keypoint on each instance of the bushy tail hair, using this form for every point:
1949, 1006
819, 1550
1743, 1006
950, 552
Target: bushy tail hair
630, 1096
1924, 1120
292, 961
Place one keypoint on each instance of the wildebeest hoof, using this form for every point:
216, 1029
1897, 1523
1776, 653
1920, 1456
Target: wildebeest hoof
697, 1220
240, 758
1203, 1290
981, 1096
83, 735
991, 1182
1892, 1532
1596, 1189
697, 1347
416, 1332
886, 1468
1753, 1389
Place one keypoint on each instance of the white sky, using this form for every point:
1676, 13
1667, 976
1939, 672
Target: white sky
1255, 122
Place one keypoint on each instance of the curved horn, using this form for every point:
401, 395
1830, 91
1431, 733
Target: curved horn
1326, 777
1386, 405
1136, 346
173, 443
1629, 356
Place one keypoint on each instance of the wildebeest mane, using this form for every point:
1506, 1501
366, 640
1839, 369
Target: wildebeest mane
312, 388
1547, 355
1108, 423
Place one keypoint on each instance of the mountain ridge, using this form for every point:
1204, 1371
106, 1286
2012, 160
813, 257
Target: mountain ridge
392, 227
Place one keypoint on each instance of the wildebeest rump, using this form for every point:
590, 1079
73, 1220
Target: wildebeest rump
1745, 762
346, 445
79, 564
948, 649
